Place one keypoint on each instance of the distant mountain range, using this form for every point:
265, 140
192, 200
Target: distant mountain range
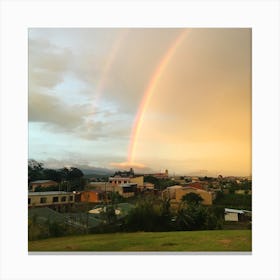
97, 171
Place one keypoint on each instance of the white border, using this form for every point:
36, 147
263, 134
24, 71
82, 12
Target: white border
262, 16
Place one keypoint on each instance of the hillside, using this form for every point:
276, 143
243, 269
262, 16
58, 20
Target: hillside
183, 241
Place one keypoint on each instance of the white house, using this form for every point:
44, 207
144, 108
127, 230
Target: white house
234, 215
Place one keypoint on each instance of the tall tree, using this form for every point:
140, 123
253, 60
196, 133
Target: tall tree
74, 177
51, 174
35, 170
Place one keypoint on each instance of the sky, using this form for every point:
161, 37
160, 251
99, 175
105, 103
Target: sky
147, 98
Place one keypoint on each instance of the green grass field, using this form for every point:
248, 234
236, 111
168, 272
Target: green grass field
183, 241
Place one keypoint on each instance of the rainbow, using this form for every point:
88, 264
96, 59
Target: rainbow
169, 54
109, 63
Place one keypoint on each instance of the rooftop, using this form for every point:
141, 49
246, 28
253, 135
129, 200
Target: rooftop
48, 193
174, 187
128, 185
228, 210
41, 181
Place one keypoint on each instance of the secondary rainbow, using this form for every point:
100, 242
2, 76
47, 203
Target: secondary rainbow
117, 45
149, 93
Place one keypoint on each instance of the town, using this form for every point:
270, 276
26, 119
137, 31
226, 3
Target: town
67, 202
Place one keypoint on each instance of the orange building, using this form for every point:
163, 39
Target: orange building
93, 196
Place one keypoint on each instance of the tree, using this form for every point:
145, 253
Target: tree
35, 170
192, 198
75, 173
74, 177
149, 214
51, 174
152, 180
195, 217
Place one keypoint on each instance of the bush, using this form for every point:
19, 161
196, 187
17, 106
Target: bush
234, 200
195, 217
149, 215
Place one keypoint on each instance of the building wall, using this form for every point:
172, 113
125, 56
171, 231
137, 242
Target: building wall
120, 191
170, 192
90, 196
43, 185
206, 196
231, 217
116, 181
177, 192
48, 199
137, 180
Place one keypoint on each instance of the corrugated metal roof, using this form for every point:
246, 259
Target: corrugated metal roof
128, 185
174, 187
42, 181
48, 193
234, 211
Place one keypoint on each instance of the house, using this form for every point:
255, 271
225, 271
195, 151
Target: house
195, 179
42, 183
54, 199
129, 173
176, 193
149, 186
93, 196
127, 190
116, 182
235, 215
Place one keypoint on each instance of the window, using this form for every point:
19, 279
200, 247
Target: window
63, 198
71, 198
55, 199
43, 199
29, 201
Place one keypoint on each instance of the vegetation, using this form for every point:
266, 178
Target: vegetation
39, 228
187, 241
192, 198
152, 214
231, 200
35, 170
69, 179
196, 217
160, 184
149, 214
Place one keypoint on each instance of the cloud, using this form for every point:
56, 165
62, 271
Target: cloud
132, 59
47, 63
128, 165
78, 163
60, 117
50, 91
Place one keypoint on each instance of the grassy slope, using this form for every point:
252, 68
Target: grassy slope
211, 241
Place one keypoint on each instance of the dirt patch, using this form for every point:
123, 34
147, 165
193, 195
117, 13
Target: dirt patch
69, 248
225, 241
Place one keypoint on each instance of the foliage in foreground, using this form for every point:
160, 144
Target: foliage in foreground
149, 214
152, 214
